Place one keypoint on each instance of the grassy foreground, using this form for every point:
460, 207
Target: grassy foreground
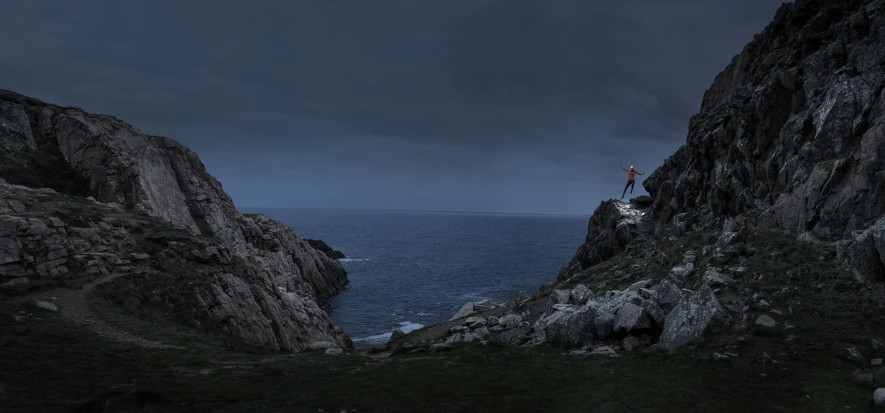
49, 364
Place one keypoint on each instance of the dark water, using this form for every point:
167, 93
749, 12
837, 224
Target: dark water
408, 269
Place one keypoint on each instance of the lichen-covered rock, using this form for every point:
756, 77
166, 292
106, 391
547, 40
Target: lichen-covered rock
695, 314
567, 324
621, 312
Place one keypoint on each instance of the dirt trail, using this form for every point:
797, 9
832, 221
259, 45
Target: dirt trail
74, 304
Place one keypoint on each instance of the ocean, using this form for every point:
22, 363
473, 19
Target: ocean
408, 269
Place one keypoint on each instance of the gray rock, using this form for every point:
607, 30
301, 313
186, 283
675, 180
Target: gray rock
334, 351
695, 314
624, 311
604, 351
560, 297
521, 298
440, 347
516, 336
510, 321
467, 309
320, 345
580, 294
852, 354
714, 278
463, 338
613, 225
46, 305
668, 294
475, 322
765, 321
680, 272
876, 362
569, 325
879, 397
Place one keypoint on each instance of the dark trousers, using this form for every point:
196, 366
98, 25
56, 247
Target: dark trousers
630, 184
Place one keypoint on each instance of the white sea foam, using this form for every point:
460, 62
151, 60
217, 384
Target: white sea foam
353, 259
408, 326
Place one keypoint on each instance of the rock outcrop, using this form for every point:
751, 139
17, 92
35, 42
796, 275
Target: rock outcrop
612, 226
791, 134
783, 172
274, 295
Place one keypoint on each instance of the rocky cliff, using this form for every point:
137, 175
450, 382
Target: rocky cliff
261, 282
773, 208
791, 135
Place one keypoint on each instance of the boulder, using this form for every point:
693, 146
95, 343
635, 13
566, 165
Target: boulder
475, 322
765, 321
46, 305
695, 314
879, 397
714, 278
510, 320
567, 324
668, 294
516, 336
621, 312
467, 309
560, 297
580, 294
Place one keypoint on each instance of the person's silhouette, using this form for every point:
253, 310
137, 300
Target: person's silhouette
631, 179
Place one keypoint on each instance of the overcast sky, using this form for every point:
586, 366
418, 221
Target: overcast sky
477, 105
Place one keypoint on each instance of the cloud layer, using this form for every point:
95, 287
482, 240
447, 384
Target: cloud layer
493, 105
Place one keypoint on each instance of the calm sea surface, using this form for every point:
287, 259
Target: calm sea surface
408, 269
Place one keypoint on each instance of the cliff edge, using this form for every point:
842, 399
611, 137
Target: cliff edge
256, 279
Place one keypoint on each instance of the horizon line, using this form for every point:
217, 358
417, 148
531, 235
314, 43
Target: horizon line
589, 213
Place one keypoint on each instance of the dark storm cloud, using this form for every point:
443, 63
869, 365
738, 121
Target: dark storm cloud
482, 104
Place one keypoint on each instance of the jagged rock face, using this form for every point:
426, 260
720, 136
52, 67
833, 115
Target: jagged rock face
791, 133
276, 303
613, 225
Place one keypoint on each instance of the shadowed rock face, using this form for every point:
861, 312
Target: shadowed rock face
277, 301
791, 133
613, 225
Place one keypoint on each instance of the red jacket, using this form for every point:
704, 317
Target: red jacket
631, 173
